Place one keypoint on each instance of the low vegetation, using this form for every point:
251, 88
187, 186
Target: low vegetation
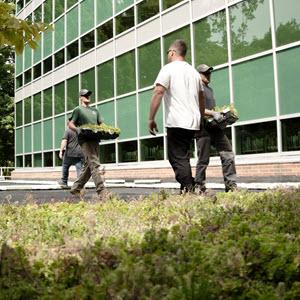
233, 246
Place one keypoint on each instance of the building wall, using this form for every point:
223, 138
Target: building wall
116, 49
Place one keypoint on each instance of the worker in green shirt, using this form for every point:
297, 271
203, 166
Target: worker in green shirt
84, 114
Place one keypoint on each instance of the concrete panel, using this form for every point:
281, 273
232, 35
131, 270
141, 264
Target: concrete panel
125, 43
59, 75
88, 60
72, 68
148, 31
105, 52
202, 8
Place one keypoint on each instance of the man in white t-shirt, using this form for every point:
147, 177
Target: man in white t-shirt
178, 83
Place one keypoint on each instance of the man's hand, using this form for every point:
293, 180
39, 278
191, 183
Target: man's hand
217, 116
152, 127
60, 155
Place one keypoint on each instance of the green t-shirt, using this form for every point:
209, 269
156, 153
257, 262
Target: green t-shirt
85, 115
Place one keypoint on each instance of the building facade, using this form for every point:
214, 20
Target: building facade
116, 48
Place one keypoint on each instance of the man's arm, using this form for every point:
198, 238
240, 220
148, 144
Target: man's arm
63, 145
72, 126
157, 96
202, 104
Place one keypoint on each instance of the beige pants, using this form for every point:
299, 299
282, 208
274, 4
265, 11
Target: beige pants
90, 168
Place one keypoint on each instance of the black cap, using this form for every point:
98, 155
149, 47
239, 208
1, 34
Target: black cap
204, 68
85, 92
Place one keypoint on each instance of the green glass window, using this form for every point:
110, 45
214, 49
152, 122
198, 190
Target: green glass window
104, 10
27, 110
37, 104
48, 159
59, 98
108, 153
128, 151
220, 85
59, 32
126, 73
27, 139
253, 84
87, 11
38, 17
72, 24
58, 161
288, 75
19, 140
88, 82
59, 8
19, 81
105, 80
72, 92
256, 138
250, 28
47, 132
20, 5
28, 161
169, 3
152, 149
105, 32
47, 43
149, 63
211, 40
287, 21
126, 116
37, 71
47, 107
71, 3
48, 7
291, 134
88, 41
37, 137
144, 106
182, 33
37, 159
59, 129
125, 20
19, 113
72, 50
120, 5
59, 58
27, 57
19, 64
107, 112
27, 76
147, 9
37, 52
19, 162
47, 64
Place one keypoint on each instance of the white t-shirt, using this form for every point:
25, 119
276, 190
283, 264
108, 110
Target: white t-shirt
182, 83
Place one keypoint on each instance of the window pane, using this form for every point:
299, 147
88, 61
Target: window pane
58, 161
88, 42
256, 138
125, 20
19, 162
105, 32
108, 153
37, 71
59, 98
27, 76
288, 75
287, 21
87, 11
59, 58
120, 5
38, 14
19, 140
37, 103
126, 117
19, 81
37, 137
169, 3
72, 92
147, 9
88, 82
71, 3
19, 64
126, 73
47, 43
128, 151
250, 28
107, 112
47, 103
28, 161
19, 113
149, 63
59, 8
211, 40
37, 160
104, 10
291, 134
48, 142
59, 33
48, 11
20, 5
253, 84
220, 85
59, 129
27, 110
27, 139
27, 57
72, 24
72, 50
48, 64
37, 52
144, 106
152, 149
105, 80
48, 159
184, 34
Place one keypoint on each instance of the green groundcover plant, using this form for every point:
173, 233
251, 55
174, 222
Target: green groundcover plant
237, 245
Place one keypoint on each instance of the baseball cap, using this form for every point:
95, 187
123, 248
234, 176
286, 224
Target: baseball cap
204, 68
85, 92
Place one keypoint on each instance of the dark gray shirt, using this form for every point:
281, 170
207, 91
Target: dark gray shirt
210, 101
72, 149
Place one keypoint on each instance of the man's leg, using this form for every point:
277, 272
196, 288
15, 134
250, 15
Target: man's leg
78, 165
65, 170
179, 141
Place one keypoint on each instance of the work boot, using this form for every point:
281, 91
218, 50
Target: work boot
62, 184
200, 189
105, 195
232, 187
76, 196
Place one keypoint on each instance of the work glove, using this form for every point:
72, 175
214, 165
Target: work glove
217, 116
